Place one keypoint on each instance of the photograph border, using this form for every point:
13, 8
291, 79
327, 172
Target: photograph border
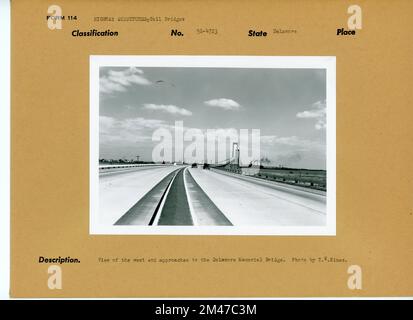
273, 62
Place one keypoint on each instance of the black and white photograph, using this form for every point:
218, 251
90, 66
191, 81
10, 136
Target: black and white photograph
212, 145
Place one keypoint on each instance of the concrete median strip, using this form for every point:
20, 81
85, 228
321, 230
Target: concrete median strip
175, 210
144, 210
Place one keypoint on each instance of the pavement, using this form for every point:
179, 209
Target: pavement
183, 196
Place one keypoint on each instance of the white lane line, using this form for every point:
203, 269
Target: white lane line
158, 214
188, 197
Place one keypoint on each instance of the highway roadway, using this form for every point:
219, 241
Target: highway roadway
184, 196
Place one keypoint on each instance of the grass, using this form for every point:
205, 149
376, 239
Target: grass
315, 179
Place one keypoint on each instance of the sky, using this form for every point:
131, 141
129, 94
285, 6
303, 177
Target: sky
287, 106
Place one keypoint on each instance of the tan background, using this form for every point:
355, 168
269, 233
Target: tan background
50, 150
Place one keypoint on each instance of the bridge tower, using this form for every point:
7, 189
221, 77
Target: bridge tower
235, 154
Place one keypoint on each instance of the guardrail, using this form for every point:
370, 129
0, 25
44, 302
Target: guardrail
119, 166
267, 182
313, 182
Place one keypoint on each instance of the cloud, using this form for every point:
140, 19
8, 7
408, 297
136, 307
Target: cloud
291, 142
317, 112
289, 158
293, 151
124, 131
226, 132
167, 108
226, 104
119, 81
